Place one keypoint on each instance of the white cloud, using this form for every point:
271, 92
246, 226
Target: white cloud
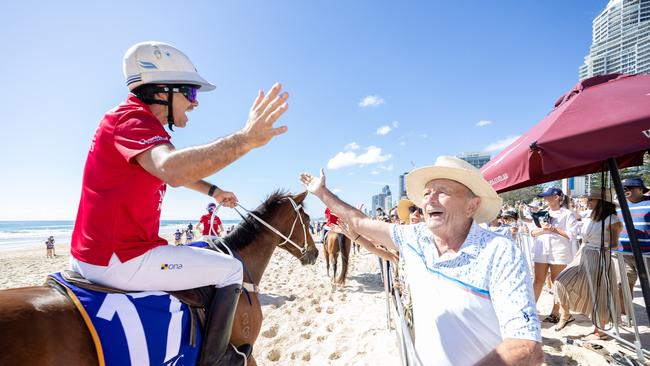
351, 146
483, 123
371, 101
501, 144
374, 172
386, 167
395, 124
383, 130
403, 143
350, 158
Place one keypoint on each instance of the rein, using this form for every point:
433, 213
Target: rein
296, 208
252, 287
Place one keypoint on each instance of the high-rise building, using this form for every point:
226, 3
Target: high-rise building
378, 200
402, 186
620, 40
388, 199
476, 159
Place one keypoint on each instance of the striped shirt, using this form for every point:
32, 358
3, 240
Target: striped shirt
640, 213
466, 303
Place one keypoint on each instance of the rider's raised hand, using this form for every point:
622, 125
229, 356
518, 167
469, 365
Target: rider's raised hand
227, 199
313, 184
264, 113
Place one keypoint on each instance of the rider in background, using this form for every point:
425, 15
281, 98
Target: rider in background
210, 231
131, 161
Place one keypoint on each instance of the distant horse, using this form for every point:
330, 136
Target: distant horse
331, 248
40, 326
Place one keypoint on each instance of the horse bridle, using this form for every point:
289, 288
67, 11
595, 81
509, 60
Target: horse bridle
287, 240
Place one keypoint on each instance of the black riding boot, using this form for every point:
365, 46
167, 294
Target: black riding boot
216, 349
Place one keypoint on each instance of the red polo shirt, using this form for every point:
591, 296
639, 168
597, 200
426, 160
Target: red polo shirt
119, 210
331, 218
205, 221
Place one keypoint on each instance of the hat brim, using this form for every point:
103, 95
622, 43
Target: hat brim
403, 209
474, 181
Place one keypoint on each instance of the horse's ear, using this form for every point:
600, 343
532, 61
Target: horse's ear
300, 196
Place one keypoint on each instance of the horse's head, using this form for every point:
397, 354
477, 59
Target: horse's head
300, 244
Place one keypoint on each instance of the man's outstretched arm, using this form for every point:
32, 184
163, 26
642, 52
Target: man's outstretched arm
189, 165
377, 231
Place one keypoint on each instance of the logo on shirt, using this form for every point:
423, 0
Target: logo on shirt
171, 266
526, 316
153, 139
646, 133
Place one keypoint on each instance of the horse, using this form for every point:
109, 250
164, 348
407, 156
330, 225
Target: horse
331, 249
40, 326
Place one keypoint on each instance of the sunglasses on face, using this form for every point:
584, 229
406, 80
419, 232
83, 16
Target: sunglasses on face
188, 91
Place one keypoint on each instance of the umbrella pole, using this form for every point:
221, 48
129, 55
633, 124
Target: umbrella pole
631, 233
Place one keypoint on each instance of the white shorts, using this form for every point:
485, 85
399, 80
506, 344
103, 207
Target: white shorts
552, 251
165, 268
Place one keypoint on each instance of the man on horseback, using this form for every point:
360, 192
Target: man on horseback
472, 293
131, 161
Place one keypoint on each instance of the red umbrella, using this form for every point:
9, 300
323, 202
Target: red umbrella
606, 116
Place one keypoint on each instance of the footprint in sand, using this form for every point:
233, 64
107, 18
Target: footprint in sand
315, 301
306, 356
321, 286
274, 355
321, 338
330, 327
271, 332
330, 310
306, 335
319, 309
301, 309
335, 355
306, 323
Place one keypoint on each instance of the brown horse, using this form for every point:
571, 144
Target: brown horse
335, 243
40, 326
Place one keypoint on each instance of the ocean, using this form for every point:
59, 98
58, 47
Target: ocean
30, 234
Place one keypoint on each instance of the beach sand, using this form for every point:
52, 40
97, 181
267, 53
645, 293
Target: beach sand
307, 322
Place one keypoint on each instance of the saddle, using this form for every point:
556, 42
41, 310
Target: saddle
197, 299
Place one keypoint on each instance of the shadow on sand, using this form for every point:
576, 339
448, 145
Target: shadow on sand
271, 299
368, 283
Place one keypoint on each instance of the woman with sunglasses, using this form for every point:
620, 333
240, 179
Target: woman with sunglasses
131, 161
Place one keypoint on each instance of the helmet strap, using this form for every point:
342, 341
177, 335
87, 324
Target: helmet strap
170, 109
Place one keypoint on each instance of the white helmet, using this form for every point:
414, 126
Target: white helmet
160, 63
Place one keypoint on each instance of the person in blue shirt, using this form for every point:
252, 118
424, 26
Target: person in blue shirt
639, 204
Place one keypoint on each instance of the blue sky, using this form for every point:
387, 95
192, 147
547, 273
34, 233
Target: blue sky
376, 87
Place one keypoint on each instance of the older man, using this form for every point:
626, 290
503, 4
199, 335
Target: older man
488, 314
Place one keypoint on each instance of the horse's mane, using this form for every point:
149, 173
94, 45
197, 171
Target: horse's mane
249, 228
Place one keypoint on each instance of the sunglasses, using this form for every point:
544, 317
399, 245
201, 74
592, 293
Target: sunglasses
190, 92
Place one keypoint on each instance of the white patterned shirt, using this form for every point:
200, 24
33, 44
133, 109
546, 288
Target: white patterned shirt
466, 303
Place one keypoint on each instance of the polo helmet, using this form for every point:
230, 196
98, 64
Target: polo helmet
160, 63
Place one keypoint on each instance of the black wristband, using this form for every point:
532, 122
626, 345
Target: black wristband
212, 189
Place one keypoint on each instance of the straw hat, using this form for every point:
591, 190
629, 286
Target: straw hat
598, 194
403, 209
453, 168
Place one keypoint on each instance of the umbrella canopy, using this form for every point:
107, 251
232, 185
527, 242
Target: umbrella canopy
606, 116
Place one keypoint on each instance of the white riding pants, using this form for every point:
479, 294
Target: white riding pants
165, 268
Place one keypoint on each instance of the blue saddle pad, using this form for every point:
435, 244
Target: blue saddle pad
139, 328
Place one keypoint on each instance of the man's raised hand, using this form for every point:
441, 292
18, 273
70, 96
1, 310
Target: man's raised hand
264, 112
314, 185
